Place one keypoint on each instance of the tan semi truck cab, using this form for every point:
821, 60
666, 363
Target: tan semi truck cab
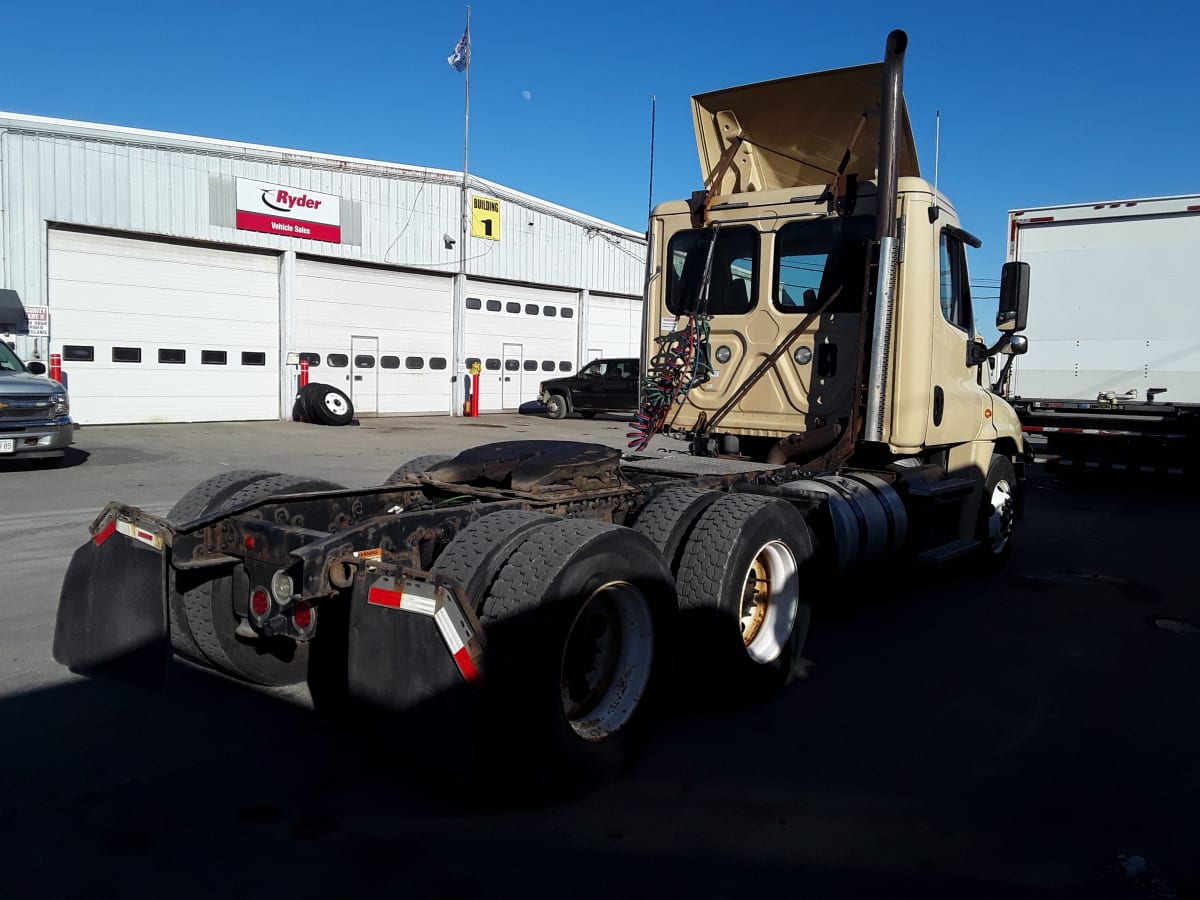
817, 289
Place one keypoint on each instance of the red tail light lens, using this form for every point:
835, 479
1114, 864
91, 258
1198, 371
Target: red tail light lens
260, 603
302, 616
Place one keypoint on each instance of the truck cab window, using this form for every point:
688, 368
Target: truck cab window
955, 290
732, 285
820, 256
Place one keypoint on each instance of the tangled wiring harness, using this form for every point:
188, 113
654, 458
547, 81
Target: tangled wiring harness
681, 363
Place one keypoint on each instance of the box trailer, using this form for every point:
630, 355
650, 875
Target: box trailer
1111, 376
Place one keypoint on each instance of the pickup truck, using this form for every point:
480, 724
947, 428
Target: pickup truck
35, 413
603, 385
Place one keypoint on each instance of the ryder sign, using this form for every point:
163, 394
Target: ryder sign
288, 211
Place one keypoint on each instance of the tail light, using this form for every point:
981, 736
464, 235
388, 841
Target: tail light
260, 604
304, 618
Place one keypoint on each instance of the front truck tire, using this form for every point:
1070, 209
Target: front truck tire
742, 615
577, 622
203, 621
556, 407
997, 512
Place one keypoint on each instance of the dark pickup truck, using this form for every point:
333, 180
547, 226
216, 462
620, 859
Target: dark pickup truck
603, 385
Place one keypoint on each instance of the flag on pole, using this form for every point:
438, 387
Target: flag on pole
462, 53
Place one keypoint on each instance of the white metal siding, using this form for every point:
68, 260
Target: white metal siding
108, 291
1111, 307
545, 340
409, 313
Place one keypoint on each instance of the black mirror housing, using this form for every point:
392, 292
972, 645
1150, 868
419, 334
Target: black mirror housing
1014, 298
36, 367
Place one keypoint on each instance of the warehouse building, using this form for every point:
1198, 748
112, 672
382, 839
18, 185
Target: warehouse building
183, 278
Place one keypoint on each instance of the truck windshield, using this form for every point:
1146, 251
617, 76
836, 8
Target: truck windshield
814, 257
732, 286
8, 360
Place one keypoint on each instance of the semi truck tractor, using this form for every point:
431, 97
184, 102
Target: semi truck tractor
809, 341
1111, 379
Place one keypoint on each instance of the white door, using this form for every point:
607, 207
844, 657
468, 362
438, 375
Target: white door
541, 321
593, 353
409, 314
510, 376
364, 369
614, 323
152, 331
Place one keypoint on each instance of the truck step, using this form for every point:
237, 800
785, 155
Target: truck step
947, 552
940, 490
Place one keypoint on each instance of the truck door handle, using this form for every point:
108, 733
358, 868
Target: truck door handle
358, 378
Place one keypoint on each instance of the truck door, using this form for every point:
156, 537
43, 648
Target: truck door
958, 399
510, 376
364, 374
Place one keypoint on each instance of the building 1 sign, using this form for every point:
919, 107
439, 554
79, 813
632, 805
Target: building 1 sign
485, 217
288, 211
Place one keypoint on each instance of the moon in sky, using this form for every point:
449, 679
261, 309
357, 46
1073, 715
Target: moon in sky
527, 95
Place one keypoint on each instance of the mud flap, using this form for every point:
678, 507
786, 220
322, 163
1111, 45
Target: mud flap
112, 613
397, 660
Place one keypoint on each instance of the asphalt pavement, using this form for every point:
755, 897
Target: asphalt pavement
958, 735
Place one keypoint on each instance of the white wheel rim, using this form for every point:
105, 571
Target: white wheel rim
335, 403
606, 661
1000, 519
769, 603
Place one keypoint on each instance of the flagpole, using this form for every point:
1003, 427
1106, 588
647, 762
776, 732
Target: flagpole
464, 212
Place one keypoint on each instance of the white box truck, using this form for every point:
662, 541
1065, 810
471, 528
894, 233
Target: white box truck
1111, 376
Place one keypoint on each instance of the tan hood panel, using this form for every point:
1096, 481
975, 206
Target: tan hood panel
796, 130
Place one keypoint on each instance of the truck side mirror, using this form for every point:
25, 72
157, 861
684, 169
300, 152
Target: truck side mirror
1018, 345
1014, 297
36, 367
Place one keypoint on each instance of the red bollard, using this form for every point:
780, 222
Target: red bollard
56, 367
475, 394
303, 372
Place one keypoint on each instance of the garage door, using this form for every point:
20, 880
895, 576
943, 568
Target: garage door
383, 336
159, 332
522, 335
614, 326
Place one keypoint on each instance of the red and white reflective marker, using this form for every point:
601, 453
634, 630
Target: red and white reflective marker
424, 598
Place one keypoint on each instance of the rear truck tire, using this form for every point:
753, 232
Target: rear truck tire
208, 495
743, 619
416, 466
577, 624
474, 557
997, 512
667, 519
556, 406
208, 606
330, 405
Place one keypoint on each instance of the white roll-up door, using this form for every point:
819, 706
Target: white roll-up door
615, 325
152, 331
522, 336
381, 335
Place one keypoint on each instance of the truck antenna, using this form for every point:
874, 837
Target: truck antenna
650, 197
937, 141
934, 212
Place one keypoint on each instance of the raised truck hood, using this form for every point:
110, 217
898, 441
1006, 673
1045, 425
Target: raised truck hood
796, 130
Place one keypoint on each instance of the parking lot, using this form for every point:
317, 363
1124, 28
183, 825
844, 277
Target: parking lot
957, 735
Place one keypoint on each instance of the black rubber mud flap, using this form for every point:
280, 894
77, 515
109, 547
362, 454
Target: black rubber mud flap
397, 660
112, 613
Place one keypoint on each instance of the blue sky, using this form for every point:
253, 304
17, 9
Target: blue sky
1041, 103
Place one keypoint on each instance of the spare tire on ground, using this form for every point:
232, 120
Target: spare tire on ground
323, 404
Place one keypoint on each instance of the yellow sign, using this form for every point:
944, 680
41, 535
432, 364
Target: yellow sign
485, 218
